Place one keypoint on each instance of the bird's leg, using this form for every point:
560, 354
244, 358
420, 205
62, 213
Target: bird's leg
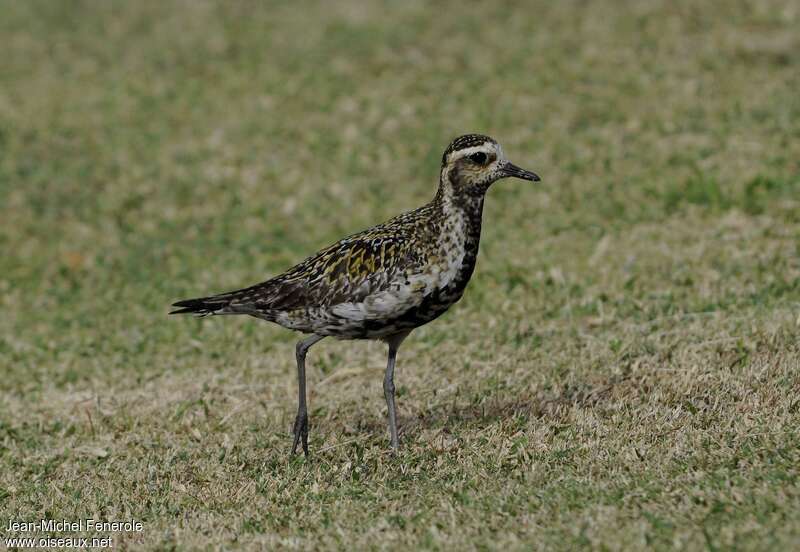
301, 421
388, 387
388, 392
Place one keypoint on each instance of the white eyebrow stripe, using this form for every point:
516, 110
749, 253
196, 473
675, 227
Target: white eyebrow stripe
474, 149
484, 148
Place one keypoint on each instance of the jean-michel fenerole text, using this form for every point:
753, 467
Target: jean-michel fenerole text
81, 525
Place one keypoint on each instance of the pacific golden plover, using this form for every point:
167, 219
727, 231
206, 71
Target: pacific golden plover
383, 282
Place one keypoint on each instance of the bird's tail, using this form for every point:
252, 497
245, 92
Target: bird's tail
203, 306
254, 300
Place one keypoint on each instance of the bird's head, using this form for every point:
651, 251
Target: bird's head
471, 163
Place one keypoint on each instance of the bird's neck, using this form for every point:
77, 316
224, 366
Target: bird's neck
461, 210
456, 225
456, 199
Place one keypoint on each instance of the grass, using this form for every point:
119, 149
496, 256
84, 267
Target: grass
621, 374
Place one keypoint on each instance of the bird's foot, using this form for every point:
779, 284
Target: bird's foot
300, 431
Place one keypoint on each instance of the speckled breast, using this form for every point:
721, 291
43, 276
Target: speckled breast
436, 303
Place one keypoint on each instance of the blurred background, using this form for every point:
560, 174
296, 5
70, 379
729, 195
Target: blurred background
153, 151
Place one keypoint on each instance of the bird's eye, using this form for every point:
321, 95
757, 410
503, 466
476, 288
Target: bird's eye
479, 158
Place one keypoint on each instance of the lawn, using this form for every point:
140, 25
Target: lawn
623, 372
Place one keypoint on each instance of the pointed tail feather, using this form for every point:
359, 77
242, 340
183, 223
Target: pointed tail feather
203, 306
254, 300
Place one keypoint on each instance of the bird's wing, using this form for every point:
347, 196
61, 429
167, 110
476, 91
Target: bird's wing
352, 269
348, 271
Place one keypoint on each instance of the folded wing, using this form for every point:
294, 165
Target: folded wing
359, 276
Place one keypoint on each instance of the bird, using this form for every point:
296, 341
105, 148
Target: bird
383, 282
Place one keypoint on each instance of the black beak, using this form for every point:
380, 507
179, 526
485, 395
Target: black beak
510, 169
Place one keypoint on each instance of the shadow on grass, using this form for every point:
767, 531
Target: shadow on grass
550, 406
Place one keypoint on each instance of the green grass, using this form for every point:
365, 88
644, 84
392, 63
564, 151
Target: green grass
622, 373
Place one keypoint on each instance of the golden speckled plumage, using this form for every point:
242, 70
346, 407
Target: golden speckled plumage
385, 281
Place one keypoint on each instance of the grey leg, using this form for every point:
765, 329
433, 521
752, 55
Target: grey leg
301, 421
388, 387
388, 392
